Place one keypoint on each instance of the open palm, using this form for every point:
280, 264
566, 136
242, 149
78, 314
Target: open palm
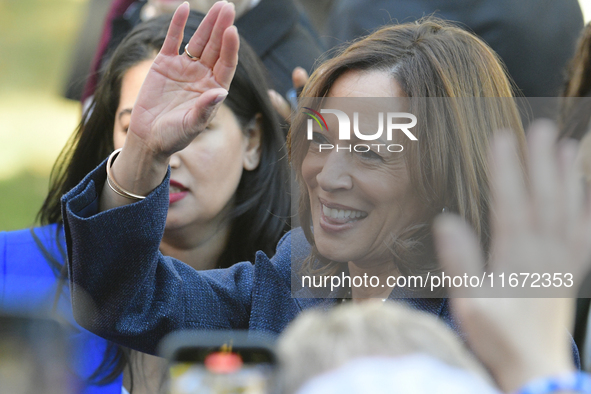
541, 226
180, 94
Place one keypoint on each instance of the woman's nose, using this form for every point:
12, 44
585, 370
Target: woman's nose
335, 172
175, 161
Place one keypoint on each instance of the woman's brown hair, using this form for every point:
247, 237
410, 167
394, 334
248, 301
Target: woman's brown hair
575, 113
448, 166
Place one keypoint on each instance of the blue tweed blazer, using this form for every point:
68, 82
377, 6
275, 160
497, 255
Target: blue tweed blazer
125, 290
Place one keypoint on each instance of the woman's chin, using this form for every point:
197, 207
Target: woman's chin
335, 253
360, 255
174, 223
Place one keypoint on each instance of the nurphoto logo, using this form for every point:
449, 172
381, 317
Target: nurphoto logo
344, 132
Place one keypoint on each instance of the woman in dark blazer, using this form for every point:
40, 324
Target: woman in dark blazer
127, 291
124, 289
250, 209
364, 212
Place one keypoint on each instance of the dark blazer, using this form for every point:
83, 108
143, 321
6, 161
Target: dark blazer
125, 290
535, 38
280, 34
283, 37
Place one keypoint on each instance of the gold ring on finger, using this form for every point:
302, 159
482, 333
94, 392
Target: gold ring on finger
188, 54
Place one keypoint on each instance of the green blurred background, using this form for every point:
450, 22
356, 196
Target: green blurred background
37, 42
37, 38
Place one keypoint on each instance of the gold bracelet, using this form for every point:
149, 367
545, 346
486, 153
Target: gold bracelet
114, 185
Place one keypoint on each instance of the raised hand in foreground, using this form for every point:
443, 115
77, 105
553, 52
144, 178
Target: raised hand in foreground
545, 227
177, 100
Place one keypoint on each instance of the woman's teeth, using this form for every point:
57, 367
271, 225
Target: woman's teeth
342, 213
174, 189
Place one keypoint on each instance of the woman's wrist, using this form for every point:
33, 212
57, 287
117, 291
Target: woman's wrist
137, 169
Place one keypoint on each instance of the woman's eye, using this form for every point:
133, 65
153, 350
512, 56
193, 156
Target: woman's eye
370, 154
319, 138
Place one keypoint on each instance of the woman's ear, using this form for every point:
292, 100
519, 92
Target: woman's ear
253, 133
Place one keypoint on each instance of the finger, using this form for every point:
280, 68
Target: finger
584, 168
584, 245
458, 250
548, 204
212, 49
573, 186
203, 32
174, 36
200, 115
584, 158
280, 104
584, 228
225, 67
578, 229
299, 77
578, 200
510, 202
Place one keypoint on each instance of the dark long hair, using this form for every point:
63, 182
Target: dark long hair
261, 210
262, 205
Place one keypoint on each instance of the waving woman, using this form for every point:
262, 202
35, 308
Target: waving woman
364, 212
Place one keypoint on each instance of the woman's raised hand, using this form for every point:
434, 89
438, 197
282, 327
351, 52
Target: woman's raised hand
180, 94
540, 226
177, 100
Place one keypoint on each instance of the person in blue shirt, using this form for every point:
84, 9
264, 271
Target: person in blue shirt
214, 200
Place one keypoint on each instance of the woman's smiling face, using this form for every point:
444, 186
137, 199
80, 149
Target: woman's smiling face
358, 200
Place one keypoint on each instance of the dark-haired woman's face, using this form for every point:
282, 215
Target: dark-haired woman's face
204, 175
358, 200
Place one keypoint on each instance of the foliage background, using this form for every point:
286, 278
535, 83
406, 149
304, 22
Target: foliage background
37, 39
